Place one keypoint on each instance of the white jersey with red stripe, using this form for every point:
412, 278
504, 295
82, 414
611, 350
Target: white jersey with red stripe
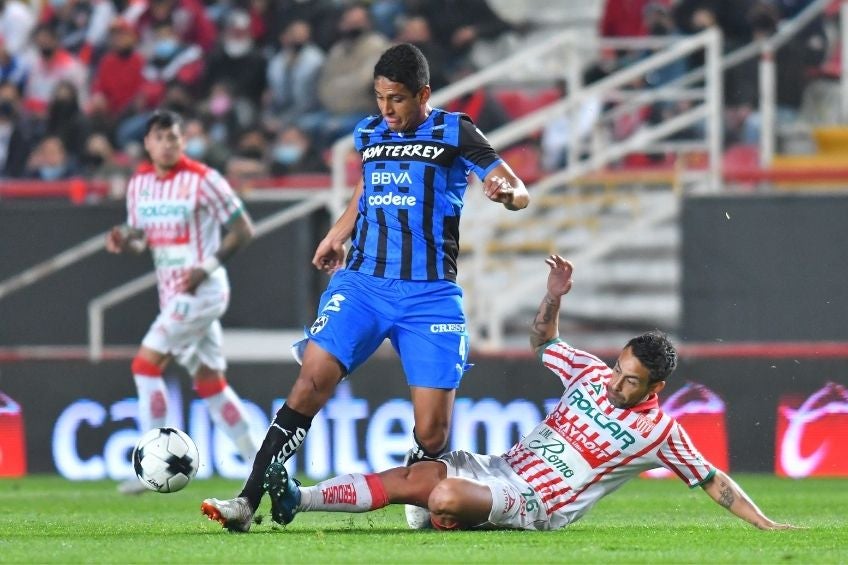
586, 448
181, 215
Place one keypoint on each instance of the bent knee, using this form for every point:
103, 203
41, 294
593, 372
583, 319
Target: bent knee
445, 498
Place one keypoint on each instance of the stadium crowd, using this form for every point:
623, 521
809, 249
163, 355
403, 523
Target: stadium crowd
266, 86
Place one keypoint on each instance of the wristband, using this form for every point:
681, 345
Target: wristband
210, 264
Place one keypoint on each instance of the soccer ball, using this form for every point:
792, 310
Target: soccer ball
165, 459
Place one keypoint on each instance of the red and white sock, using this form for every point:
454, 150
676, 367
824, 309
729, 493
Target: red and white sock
228, 412
347, 493
152, 394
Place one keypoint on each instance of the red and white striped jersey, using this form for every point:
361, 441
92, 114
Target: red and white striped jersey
181, 215
586, 448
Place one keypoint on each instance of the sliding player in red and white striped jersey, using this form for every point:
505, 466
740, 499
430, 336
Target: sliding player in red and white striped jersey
606, 429
176, 207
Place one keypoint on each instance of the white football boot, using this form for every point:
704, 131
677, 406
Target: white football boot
234, 514
417, 518
132, 486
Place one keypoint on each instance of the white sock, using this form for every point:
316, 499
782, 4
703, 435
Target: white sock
228, 413
152, 401
347, 493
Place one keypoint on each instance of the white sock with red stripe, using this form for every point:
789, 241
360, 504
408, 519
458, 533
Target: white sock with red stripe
228, 412
152, 394
347, 493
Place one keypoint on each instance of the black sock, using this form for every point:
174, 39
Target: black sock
418, 453
282, 440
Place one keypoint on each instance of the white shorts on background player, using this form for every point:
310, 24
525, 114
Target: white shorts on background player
188, 327
515, 505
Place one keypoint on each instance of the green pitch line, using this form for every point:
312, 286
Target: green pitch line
50, 520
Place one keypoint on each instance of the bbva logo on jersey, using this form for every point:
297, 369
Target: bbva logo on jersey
379, 178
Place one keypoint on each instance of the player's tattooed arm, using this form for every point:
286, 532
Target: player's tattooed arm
728, 494
546, 322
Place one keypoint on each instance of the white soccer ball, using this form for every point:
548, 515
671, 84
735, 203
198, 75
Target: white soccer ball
165, 459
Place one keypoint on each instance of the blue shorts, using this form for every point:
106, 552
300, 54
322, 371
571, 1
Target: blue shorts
423, 320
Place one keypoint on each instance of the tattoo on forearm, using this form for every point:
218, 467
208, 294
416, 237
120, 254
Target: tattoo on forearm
726, 496
546, 314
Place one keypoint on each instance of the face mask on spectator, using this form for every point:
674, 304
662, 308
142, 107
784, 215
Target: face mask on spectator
58, 3
7, 109
220, 104
287, 153
53, 172
195, 147
296, 47
353, 33
92, 159
251, 153
237, 47
165, 48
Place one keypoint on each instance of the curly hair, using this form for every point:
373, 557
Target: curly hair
406, 64
656, 352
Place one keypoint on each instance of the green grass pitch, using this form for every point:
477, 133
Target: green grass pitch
45, 519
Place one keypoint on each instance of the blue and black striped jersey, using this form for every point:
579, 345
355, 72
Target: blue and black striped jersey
414, 182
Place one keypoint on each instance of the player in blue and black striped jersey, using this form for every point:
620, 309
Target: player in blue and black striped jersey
399, 280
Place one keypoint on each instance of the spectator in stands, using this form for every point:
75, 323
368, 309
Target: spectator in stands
792, 62
188, 17
50, 161
294, 153
624, 18
98, 161
200, 147
293, 76
116, 84
386, 14
171, 60
459, 25
16, 22
236, 60
813, 37
346, 84
228, 117
177, 98
693, 16
49, 67
659, 22
480, 105
322, 15
65, 119
82, 25
12, 67
250, 160
416, 30
15, 139
560, 134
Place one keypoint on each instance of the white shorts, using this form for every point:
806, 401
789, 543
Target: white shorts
515, 505
189, 329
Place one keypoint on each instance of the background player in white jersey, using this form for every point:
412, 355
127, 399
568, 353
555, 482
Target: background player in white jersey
176, 207
606, 429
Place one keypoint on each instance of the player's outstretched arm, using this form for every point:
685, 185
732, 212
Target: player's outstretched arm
727, 493
123, 239
501, 185
330, 254
546, 323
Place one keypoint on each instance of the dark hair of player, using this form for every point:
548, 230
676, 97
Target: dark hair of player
406, 64
163, 119
656, 352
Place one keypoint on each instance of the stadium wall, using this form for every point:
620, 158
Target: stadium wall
273, 283
744, 413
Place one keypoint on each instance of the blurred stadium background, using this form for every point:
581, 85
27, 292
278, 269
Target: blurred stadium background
688, 155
